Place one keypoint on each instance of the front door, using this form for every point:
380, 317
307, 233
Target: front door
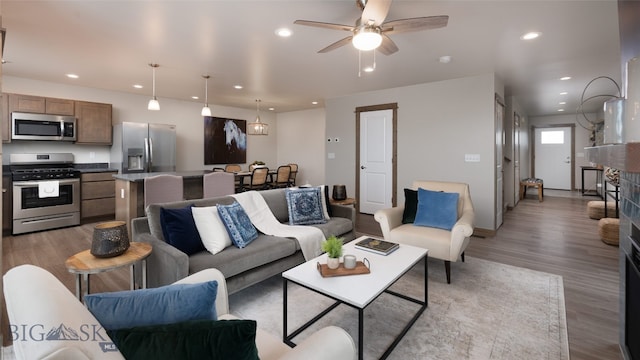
553, 157
376, 160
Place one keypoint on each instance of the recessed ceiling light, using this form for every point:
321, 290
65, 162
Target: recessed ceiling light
561, 110
195, 97
283, 32
562, 102
445, 59
72, 76
565, 78
138, 86
563, 93
314, 102
368, 69
272, 109
530, 35
238, 87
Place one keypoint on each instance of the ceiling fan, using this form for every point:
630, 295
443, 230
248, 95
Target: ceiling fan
371, 31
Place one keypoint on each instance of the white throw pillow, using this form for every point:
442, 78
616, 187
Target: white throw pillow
211, 229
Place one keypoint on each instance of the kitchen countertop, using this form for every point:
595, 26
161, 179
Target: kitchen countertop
97, 170
138, 177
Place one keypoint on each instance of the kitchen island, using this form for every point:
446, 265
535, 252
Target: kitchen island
130, 191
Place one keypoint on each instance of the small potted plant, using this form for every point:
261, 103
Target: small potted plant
333, 247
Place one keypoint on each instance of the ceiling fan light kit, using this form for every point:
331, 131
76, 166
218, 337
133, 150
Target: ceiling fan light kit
153, 103
367, 38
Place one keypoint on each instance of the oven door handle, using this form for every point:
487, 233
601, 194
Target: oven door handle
36, 183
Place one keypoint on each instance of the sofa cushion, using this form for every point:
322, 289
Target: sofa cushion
180, 230
410, 206
239, 226
204, 339
233, 261
153, 211
305, 206
162, 305
277, 202
437, 209
335, 226
212, 231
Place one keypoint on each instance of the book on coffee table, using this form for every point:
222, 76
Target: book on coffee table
377, 246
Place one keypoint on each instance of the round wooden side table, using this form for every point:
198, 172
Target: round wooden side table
84, 264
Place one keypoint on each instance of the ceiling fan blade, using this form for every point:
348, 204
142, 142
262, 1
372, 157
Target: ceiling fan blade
387, 47
324, 25
375, 10
415, 24
337, 44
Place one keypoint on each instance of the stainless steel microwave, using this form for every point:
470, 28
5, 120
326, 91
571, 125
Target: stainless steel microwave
26, 126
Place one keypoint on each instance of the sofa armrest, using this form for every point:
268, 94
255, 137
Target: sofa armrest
165, 264
139, 226
389, 219
344, 211
222, 298
315, 346
462, 229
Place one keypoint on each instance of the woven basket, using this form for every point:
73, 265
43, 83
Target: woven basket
595, 209
609, 230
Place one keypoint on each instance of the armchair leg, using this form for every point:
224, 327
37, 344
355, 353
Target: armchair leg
447, 268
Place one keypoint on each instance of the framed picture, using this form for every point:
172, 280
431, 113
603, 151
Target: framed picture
225, 141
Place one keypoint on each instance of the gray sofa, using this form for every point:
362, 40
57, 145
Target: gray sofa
264, 257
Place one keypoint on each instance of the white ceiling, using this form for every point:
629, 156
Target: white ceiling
109, 44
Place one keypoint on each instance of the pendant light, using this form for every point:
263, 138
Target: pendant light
206, 110
258, 127
153, 103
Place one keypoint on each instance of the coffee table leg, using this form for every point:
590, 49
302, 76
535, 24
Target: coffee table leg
284, 311
360, 334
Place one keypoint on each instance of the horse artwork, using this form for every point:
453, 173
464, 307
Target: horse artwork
225, 141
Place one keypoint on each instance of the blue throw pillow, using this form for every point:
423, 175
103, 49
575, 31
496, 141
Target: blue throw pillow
180, 231
305, 206
157, 306
437, 209
239, 226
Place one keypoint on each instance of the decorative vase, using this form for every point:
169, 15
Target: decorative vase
339, 192
110, 239
333, 263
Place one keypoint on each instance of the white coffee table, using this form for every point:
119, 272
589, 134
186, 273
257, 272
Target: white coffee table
357, 291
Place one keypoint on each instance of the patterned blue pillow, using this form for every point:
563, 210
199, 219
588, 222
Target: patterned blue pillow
305, 206
239, 226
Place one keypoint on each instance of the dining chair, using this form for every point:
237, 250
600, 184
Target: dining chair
282, 177
218, 184
258, 179
292, 175
232, 168
218, 169
163, 188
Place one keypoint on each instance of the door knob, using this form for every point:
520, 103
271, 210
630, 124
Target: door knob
362, 167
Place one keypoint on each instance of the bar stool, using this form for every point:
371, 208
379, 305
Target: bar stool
218, 184
163, 188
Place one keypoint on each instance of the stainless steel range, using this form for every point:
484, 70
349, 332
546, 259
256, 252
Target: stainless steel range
46, 191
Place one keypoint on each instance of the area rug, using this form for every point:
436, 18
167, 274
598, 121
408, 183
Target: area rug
489, 311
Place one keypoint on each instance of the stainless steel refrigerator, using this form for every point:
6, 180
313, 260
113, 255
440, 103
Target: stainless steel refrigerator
142, 147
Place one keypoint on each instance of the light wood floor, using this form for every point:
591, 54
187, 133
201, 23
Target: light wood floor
555, 236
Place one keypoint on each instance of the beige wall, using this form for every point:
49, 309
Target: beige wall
302, 141
438, 123
131, 107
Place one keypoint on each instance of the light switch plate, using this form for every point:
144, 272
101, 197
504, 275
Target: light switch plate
472, 157
331, 155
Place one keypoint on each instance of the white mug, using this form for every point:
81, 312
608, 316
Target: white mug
349, 261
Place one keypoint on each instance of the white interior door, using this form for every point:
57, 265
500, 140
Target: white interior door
500, 139
553, 157
376, 160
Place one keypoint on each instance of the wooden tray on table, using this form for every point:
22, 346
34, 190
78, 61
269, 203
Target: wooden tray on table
361, 268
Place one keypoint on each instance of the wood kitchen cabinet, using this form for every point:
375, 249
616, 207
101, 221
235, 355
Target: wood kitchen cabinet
98, 195
40, 105
4, 118
93, 123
